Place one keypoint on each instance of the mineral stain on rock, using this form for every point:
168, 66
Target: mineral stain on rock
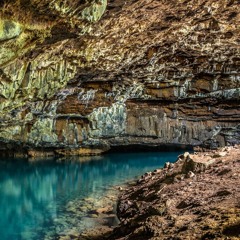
9, 29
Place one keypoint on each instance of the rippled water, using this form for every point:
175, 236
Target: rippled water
42, 199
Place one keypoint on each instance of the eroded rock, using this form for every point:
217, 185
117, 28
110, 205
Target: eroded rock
80, 73
202, 205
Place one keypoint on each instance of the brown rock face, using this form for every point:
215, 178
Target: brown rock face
94, 74
195, 198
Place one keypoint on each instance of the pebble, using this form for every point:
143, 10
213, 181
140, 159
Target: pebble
190, 174
219, 154
104, 210
166, 165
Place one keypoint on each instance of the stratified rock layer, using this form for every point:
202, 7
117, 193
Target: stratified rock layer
92, 74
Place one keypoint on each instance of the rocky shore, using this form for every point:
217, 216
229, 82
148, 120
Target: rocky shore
88, 212
198, 197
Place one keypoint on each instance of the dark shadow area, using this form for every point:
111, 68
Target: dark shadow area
233, 230
153, 148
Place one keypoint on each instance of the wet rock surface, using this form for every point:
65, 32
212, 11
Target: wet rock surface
81, 215
91, 74
195, 198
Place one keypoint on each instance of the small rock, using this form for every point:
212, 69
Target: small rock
169, 203
139, 181
184, 156
126, 205
147, 174
222, 154
219, 154
104, 210
156, 171
190, 174
171, 165
166, 165
65, 238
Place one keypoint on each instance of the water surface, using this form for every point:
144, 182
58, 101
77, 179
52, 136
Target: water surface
45, 198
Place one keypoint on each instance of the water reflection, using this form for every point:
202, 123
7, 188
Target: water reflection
34, 194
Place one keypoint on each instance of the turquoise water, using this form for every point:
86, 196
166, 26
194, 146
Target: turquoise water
38, 199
